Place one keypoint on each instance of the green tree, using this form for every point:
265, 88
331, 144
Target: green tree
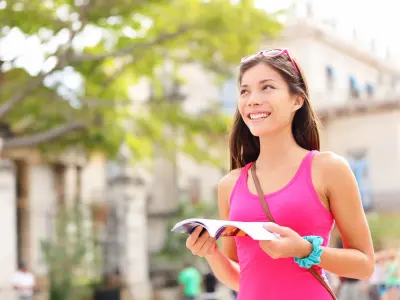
94, 50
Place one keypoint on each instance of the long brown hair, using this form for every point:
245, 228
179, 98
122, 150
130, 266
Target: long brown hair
243, 146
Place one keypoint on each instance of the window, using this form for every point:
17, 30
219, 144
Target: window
354, 88
330, 77
360, 167
370, 89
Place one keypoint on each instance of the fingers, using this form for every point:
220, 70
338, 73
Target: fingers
275, 228
193, 237
208, 247
201, 244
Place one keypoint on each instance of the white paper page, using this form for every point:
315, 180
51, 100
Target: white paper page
187, 226
254, 229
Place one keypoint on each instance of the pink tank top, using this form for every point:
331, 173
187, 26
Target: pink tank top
297, 206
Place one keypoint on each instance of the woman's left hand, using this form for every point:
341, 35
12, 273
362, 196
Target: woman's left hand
290, 244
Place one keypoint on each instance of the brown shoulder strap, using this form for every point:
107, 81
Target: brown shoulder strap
261, 193
271, 218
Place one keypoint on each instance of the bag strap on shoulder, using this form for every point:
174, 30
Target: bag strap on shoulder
271, 219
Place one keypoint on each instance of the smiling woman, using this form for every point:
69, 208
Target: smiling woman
273, 87
279, 175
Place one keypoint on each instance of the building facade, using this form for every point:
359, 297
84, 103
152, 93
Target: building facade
31, 190
356, 95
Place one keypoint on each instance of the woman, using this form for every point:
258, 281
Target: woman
276, 130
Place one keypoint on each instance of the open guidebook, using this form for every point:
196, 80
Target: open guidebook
222, 228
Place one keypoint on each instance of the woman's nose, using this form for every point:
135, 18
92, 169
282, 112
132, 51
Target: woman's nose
253, 100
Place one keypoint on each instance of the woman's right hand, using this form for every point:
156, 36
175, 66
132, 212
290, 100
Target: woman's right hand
200, 243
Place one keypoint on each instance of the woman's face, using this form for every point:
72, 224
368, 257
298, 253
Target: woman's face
265, 102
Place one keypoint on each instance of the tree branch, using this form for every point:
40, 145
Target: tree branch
63, 60
36, 139
159, 40
34, 84
37, 82
21, 95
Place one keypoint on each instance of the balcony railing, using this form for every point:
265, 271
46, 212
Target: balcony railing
329, 110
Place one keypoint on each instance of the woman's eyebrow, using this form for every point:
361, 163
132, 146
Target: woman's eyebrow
260, 82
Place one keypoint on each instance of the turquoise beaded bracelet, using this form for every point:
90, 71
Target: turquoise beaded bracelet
315, 256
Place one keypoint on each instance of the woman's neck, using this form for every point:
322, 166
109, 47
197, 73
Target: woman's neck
276, 148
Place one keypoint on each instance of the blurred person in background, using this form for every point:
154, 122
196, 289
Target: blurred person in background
189, 279
24, 282
210, 283
275, 137
377, 280
334, 281
393, 277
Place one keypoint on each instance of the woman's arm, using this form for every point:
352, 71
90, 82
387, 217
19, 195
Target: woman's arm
224, 262
356, 259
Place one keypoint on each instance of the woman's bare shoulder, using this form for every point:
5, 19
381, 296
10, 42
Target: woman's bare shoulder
225, 188
329, 168
229, 180
329, 162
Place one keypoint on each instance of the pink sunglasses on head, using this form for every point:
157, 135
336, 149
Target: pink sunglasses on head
271, 53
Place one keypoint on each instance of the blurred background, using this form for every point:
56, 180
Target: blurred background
114, 119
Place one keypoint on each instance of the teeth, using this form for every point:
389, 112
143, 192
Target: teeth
259, 116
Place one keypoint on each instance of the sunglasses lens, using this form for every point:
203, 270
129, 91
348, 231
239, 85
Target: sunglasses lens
272, 52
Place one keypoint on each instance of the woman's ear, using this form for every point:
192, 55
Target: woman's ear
298, 102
